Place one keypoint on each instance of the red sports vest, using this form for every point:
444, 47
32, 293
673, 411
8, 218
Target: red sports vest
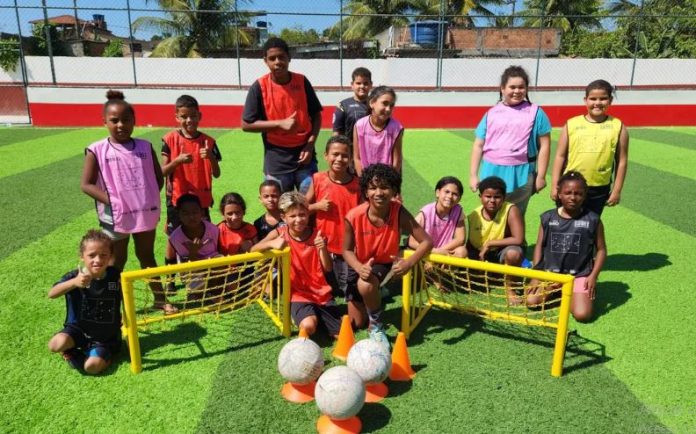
282, 100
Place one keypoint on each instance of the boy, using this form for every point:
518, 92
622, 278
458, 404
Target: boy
371, 245
311, 302
189, 163
92, 330
331, 195
351, 109
269, 193
284, 108
496, 229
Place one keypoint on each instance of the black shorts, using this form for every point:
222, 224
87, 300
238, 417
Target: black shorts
329, 315
89, 346
173, 221
352, 293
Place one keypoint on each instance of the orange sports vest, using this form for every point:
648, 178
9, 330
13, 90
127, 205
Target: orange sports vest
307, 281
343, 197
231, 240
282, 100
380, 243
195, 177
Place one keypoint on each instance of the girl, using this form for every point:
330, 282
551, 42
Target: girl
331, 195
568, 237
311, 302
90, 336
444, 220
377, 138
594, 144
123, 177
371, 246
513, 138
196, 238
236, 235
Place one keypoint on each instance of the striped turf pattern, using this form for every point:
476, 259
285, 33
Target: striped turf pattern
631, 370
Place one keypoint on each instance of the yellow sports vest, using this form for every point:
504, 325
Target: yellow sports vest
591, 148
482, 230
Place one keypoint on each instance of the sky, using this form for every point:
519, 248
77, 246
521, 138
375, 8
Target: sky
316, 14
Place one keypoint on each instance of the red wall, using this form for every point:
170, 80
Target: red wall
219, 116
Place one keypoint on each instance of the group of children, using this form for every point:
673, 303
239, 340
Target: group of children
343, 225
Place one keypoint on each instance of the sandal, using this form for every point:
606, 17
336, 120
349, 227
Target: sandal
167, 308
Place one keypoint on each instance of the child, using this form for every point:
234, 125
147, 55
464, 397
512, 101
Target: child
283, 107
189, 163
311, 302
331, 195
121, 174
594, 144
371, 245
377, 138
496, 228
92, 330
236, 235
444, 219
269, 193
513, 138
351, 109
196, 238
568, 238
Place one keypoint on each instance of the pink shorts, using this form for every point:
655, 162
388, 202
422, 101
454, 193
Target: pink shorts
579, 285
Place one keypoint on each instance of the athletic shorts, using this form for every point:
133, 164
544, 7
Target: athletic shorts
90, 347
329, 315
352, 293
496, 256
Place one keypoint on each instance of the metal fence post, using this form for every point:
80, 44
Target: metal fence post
22, 61
441, 42
236, 44
132, 51
541, 29
635, 48
340, 46
49, 45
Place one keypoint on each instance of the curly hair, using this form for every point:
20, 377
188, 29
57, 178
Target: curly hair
96, 235
380, 174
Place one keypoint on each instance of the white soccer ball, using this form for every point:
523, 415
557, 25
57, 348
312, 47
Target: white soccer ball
340, 393
370, 360
300, 361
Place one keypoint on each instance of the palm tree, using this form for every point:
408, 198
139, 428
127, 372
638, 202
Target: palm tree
195, 26
367, 18
567, 15
459, 12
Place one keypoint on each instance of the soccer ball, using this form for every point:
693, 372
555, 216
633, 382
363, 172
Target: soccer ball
300, 361
340, 393
370, 360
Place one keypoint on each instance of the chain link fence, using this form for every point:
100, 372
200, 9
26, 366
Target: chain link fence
431, 45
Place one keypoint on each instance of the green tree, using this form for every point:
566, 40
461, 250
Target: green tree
9, 54
195, 26
113, 49
297, 36
566, 15
39, 45
367, 18
458, 12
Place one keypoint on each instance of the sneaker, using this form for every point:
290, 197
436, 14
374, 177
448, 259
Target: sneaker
74, 358
377, 334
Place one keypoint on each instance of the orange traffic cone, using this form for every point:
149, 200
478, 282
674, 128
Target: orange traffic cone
326, 425
303, 333
376, 392
401, 364
345, 340
298, 393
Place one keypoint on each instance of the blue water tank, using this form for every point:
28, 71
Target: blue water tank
425, 33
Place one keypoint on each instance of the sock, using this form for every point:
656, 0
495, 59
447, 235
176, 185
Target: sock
375, 317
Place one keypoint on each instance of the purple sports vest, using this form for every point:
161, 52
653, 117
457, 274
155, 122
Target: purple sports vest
440, 230
376, 146
128, 178
507, 133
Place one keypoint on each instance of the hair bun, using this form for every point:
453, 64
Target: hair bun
115, 94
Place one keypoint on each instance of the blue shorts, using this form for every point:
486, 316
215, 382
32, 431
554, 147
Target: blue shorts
90, 347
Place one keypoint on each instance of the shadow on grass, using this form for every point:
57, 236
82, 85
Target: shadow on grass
609, 296
164, 346
626, 262
374, 416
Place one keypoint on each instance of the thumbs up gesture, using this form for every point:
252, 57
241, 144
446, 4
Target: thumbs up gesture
366, 269
324, 204
319, 241
288, 123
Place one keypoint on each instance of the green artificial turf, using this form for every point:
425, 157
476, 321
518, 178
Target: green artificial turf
630, 370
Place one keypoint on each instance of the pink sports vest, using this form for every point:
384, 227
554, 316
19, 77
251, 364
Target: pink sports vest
507, 133
128, 178
440, 230
178, 240
376, 146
